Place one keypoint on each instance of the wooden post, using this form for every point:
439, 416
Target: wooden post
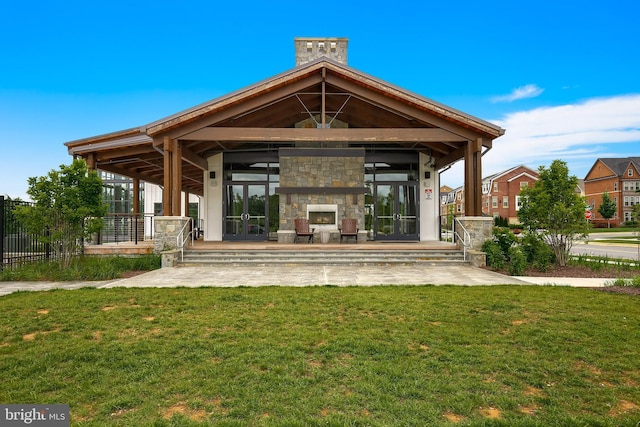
168, 169
91, 161
176, 179
136, 196
473, 178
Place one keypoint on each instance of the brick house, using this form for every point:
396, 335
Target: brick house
620, 178
501, 192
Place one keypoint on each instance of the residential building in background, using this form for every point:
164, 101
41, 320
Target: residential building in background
500, 194
620, 178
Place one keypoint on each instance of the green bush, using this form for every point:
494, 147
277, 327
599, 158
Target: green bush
500, 221
505, 239
495, 258
537, 252
517, 261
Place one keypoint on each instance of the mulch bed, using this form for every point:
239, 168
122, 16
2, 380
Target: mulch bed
583, 271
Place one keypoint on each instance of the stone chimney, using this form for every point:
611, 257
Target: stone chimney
311, 48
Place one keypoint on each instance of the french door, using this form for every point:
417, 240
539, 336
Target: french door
396, 211
245, 212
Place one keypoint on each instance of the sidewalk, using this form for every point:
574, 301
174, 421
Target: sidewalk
317, 275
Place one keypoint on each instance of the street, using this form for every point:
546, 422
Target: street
611, 250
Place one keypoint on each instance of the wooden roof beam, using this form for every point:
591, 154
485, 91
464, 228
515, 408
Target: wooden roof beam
418, 135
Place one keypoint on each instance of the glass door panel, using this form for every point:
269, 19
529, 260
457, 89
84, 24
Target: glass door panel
407, 211
256, 212
234, 209
385, 211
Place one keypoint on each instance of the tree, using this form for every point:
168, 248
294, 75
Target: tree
554, 209
67, 208
607, 208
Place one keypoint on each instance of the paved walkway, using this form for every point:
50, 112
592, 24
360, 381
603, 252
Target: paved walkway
317, 275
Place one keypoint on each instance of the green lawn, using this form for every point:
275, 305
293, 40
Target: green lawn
380, 356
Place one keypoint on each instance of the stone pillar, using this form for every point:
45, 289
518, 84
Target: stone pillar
478, 227
167, 229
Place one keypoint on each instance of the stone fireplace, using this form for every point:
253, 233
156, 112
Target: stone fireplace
322, 185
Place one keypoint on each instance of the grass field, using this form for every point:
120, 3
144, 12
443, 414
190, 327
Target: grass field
380, 356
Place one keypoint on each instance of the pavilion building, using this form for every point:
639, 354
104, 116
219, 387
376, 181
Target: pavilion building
321, 141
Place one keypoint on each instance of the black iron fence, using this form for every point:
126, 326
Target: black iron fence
17, 245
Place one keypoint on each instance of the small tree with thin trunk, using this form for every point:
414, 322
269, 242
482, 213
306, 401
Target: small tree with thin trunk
553, 208
607, 208
67, 208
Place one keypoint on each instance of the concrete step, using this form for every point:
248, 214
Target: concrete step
321, 257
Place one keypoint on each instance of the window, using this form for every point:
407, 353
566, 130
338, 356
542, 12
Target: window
495, 186
630, 172
519, 200
524, 184
615, 186
494, 202
157, 208
505, 202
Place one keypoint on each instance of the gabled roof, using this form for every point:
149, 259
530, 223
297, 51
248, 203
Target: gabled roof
508, 171
619, 166
360, 110
338, 75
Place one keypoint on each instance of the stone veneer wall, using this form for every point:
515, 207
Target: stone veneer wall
479, 228
323, 173
166, 230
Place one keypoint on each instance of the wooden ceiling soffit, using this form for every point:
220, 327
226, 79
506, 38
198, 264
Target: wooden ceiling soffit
194, 159
227, 108
452, 157
125, 152
397, 101
88, 147
131, 174
417, 135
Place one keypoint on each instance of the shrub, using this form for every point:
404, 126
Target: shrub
495, 258
500, 221
517, 261
537, 252
505, 239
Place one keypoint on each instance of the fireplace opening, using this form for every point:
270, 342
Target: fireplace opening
323, 217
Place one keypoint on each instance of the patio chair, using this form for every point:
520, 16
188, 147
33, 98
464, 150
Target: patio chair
302, 229
349, 228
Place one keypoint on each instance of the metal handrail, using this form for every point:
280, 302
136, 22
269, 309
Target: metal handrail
466, 240
181, 238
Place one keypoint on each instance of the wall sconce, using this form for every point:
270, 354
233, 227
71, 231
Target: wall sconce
427, 175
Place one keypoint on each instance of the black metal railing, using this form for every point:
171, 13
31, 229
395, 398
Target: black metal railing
17, 245
120, 228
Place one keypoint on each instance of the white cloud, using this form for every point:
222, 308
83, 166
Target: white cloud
522, 92
576, 133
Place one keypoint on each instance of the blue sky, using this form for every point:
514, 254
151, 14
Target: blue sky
562, 77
